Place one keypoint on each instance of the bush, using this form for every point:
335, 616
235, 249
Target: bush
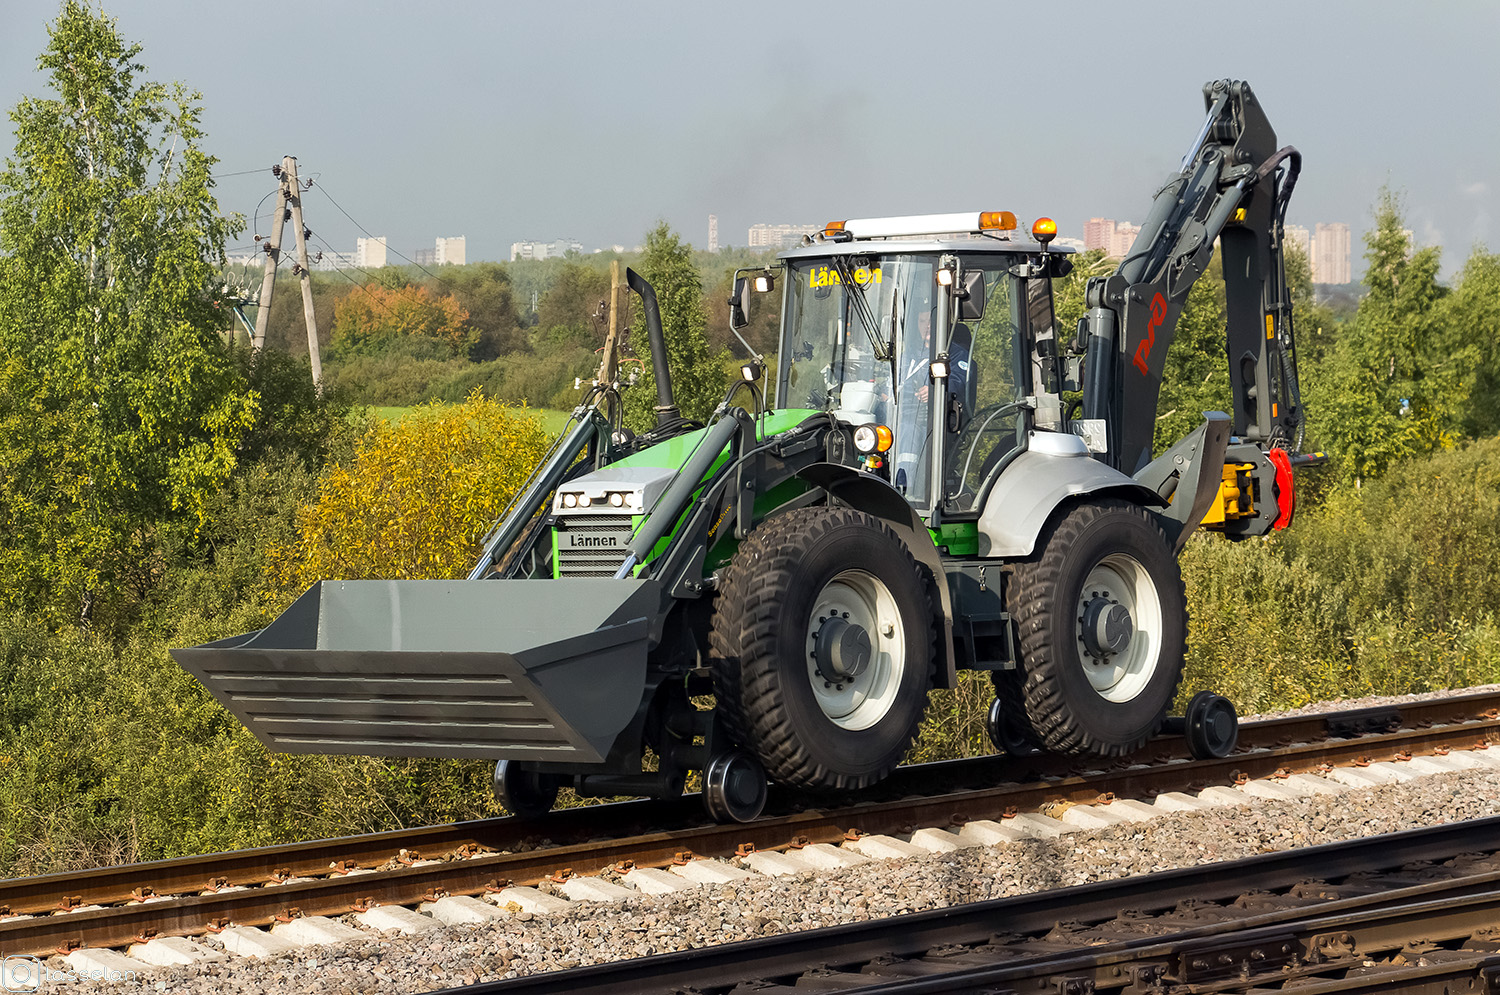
416, 497
113, 755
1381, 590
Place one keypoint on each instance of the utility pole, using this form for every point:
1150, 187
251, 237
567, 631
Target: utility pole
289, 208
273, 256
303, 268
611, 362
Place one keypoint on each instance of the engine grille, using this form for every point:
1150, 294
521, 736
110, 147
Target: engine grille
591, 545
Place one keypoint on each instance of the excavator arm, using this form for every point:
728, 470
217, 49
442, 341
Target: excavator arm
1233, 187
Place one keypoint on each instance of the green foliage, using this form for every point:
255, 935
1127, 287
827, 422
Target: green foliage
1384, 590
484, 291
84, 780
568, 310
120, 405
698, 380
1393, 387
1470, 318
1196, 376
404, 376
296, 420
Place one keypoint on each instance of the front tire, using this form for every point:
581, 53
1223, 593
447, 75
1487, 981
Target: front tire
1102, 618
823, 633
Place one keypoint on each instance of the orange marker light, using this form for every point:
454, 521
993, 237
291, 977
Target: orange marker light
834, 226
1044, 226
997, 221
883, 438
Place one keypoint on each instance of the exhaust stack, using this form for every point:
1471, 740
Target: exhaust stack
666, 407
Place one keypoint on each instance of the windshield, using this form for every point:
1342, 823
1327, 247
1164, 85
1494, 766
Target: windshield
860, 340
846, 315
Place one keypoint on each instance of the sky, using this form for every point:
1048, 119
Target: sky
593, 121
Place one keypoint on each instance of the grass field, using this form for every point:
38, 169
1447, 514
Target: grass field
551, 419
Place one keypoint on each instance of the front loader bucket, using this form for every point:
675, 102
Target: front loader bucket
533, 670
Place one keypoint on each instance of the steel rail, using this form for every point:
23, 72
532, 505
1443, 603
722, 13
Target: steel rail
1195, 953
481, 861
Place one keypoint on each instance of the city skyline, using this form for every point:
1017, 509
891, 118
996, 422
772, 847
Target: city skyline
568, 134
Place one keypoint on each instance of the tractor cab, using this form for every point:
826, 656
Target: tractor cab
933, 338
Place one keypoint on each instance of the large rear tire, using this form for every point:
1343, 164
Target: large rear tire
823, 636
1102, 618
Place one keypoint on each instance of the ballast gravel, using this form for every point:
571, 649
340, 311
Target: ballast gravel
524, 943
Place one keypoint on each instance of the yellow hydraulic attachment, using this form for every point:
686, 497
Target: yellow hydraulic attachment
1236, 496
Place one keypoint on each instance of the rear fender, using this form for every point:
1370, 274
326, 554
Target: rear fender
868, 493
1056, 468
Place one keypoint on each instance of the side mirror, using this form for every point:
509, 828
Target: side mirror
971, 299
737, 318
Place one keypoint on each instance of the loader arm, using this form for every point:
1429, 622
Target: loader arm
1233, 187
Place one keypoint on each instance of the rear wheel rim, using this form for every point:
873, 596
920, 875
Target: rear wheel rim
860, 599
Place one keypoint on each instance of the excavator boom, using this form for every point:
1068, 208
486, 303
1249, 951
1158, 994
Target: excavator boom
1233, 188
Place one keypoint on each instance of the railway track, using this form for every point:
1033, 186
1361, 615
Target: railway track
1409, 912
944, 804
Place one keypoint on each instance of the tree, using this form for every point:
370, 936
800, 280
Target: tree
366, 321
417, 496
1392, 387
484, 291
698, 377
568, 308
120, 404
1470, 317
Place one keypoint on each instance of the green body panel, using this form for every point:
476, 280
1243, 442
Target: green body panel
957, 538
674, 452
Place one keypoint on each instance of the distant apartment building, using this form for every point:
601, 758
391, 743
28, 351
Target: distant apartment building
335, 261
424, 257
713, 233
1301, 238
544, 250
1097, 233
1114, 237
451, 251
1330, 253
779, 236
1122, 240
369, 253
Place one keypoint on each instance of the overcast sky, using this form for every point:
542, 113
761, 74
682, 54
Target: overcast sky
591, 121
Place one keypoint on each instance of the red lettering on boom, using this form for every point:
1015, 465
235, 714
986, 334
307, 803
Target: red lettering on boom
1143, 351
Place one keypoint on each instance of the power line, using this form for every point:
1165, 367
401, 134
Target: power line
362, 228
359, 286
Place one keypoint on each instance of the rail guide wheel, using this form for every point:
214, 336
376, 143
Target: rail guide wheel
1009, 732
524, 793
1211, 725
734, 787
